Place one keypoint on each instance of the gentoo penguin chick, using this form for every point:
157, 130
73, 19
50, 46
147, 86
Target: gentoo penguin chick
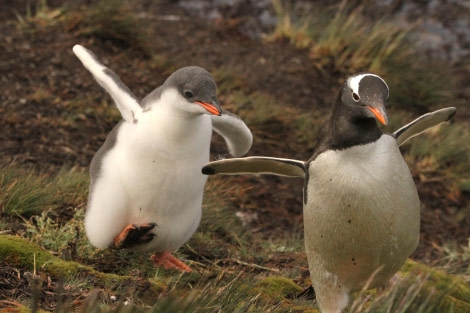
146, 185
361, 207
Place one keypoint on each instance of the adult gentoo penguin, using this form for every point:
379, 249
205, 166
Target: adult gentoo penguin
361, 207
146, 185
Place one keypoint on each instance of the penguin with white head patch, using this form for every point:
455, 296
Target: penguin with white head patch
146, 184
361, 208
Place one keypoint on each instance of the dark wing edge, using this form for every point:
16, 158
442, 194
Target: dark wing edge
256, 165
423, 123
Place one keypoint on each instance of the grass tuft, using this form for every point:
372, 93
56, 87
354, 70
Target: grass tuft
111, 20
26, 192
342, 40
443, 147
40, 16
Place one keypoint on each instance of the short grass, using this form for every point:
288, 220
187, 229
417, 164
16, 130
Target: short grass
106, 20
233, 268
342, 40
26, 192
230, 274
112, 20
444, 148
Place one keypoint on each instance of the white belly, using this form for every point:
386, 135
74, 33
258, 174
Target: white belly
151, 177
169, 194
362, 213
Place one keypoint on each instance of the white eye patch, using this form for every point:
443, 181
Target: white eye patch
354, 81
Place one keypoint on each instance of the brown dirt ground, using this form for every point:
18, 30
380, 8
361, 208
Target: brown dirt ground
38, 74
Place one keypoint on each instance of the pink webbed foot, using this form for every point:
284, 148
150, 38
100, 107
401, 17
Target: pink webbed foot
168, 261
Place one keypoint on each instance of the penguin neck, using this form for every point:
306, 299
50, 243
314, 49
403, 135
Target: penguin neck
345, 130
184, 126
349, 131
171, 121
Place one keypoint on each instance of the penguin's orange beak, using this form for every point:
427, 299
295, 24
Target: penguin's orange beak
380, 116
211, 108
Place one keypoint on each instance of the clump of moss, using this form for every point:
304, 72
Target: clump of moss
278, 287
20, 253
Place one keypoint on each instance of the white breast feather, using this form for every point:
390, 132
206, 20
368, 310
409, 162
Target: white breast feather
153, 174
362, 209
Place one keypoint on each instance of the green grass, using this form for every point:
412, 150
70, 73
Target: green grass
444, 149
230, 275
110, 20
40, 16
342, 40
233, 267
26, 192
106, 20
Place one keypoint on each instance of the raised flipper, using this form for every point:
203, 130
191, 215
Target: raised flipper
235, 132
423, 123
256, 165
125, 100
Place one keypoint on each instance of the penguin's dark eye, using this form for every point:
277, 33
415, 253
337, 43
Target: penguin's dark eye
355, 97
188, 94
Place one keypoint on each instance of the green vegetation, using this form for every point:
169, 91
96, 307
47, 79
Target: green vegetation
234, 269
26, 192
444, 147
342, 40
107, 20
112, 20
40, 16
229, 275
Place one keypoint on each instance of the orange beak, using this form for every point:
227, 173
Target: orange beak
380, 116
212, 109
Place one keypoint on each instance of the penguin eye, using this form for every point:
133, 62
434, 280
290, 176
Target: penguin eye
355, 97
188, 94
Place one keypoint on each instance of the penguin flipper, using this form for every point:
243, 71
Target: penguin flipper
125, 100
423, 123
256, 165
237, 135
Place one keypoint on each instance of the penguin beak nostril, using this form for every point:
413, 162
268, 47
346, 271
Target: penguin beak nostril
211, 108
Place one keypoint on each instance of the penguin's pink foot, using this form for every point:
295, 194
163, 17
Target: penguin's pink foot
133, 235
168, 261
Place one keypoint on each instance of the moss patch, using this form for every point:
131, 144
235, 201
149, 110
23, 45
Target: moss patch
451, 292
20, 253
278, 287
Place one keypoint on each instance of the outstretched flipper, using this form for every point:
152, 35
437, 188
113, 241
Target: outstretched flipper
235, 132
423, 123
256, 165
125, 100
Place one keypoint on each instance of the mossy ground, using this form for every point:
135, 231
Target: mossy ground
248, 252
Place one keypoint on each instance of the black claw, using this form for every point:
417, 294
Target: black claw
138, 235
148, 227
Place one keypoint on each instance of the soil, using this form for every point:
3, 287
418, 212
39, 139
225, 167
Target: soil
40, 77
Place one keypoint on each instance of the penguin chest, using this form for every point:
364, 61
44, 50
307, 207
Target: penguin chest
361, 213
163, 188
161, 174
